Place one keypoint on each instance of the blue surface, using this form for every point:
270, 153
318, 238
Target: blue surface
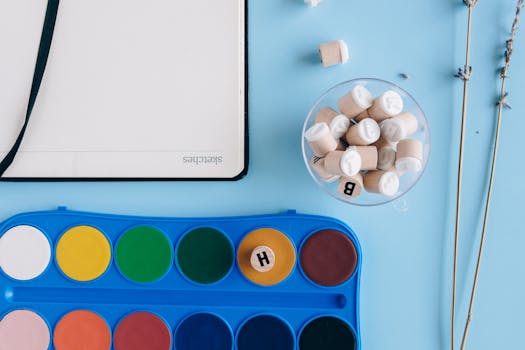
296, 300
406, 270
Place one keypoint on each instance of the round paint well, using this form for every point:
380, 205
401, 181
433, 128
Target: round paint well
327, 332
144, 254
24, 330
265, 332
203, 331
282, 247
25, 252
82, 329
83, 253
328, 258
205, 255
142, 330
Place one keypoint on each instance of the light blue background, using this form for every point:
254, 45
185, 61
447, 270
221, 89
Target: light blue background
407, 256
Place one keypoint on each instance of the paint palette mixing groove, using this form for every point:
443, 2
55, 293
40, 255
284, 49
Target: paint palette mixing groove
74, 280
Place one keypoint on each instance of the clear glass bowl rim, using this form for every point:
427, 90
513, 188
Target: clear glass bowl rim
307, 160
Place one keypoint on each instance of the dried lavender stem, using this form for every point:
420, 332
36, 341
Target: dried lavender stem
501, 105
465, 75
485, 220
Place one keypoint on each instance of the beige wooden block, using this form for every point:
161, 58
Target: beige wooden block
369, 157
343, 163
333, 52
382, 182
409, 157
326, 115
386, 158
262, 259
339, 126
320, 139
383, 143
332, 162
399, 127
363, 133
351, 187
317, 165
364, 114
338, 123
410, 148
312, 3
355, 102
387, 105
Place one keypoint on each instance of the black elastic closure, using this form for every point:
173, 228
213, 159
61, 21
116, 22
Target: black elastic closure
40, 67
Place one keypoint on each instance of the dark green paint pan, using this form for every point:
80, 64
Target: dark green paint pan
205, 255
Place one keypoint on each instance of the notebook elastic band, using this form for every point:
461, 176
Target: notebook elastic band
40, 67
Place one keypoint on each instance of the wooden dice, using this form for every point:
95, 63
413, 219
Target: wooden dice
369, 157
262, 259
355, 102
399, 127
338, 123
382, 182
387, 105
320, 139
343, 163
317, 165
312, 3
333, 52
386, 158
409, 157
364, 133
351, 186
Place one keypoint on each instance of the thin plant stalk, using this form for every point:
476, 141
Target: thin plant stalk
483, 231
464, 74
501, 105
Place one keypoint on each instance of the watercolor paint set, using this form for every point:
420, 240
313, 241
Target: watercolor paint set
74, 280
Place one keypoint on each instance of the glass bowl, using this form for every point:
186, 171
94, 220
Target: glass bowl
335, 184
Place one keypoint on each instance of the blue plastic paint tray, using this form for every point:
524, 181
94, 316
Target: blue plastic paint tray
193, 283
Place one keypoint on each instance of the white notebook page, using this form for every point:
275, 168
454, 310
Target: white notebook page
132, 89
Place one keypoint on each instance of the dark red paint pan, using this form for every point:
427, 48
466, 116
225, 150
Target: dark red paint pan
140, 331
328, 258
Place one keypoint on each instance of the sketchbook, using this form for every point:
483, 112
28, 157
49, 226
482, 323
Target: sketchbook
132, 90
